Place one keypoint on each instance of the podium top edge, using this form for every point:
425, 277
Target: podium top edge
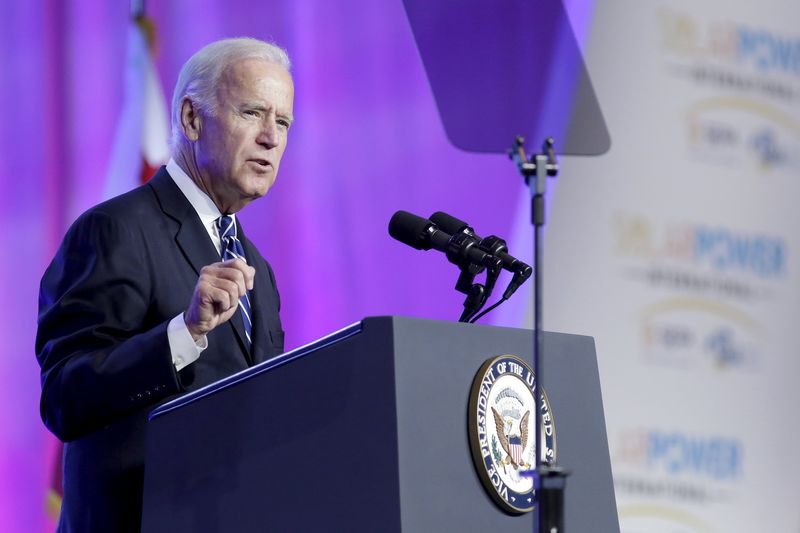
266, 366
307, 349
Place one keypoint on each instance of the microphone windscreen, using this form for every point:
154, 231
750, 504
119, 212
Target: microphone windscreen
449, 224
410, 229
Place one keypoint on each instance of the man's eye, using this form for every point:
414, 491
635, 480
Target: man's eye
284, 123
251, 113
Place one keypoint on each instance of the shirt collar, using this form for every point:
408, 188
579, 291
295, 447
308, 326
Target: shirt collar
205, 207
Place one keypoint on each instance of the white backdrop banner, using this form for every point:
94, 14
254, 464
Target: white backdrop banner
677, 251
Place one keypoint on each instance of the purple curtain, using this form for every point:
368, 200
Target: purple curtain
367, 142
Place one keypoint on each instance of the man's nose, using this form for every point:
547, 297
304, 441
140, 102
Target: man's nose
268, 135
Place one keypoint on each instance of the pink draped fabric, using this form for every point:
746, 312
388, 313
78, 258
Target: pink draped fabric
367, 142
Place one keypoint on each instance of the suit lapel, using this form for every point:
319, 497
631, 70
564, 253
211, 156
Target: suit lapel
192, 238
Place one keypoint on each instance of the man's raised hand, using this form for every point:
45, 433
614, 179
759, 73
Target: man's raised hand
216, 295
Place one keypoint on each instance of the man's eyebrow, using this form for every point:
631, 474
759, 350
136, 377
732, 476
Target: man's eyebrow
261, 107
254, 106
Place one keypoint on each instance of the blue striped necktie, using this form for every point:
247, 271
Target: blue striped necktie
232, 249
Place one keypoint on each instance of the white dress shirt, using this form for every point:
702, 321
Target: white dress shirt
184, 349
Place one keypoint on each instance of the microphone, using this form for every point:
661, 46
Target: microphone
420, 233
491, 244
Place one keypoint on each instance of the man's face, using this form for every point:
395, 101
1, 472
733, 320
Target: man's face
240, 146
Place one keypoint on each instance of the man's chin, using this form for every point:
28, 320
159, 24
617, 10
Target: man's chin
258, 192
259, 185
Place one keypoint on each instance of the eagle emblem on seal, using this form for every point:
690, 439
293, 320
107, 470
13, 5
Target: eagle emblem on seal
513, 443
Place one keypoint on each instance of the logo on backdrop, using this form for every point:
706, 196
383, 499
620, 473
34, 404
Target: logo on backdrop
704, 260
731, 132
755, 73
677, 467
695, 333
501, 431
736, 57
718, 278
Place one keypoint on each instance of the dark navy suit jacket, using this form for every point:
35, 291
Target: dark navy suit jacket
126, 268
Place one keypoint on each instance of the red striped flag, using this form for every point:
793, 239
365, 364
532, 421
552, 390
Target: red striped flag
141, 143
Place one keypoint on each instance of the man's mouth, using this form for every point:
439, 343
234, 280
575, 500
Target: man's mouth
263, 163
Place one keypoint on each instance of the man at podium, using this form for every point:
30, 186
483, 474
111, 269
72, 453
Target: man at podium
158, 291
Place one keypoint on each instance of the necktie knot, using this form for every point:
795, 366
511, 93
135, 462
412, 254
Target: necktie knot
226, 227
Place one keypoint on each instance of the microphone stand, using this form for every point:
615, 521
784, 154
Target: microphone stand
549, 479
477, 294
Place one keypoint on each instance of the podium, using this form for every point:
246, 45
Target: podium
366, 430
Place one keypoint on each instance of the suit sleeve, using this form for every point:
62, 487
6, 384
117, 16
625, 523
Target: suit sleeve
103, 356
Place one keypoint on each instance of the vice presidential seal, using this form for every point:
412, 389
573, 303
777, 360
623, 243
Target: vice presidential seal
501, 431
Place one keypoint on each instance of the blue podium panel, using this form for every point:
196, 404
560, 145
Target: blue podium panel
366, 430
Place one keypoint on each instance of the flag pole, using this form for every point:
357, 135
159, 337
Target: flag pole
137, 8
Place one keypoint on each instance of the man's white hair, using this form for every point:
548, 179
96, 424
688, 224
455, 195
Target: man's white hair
200, 75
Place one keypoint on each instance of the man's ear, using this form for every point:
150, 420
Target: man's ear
191, 121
